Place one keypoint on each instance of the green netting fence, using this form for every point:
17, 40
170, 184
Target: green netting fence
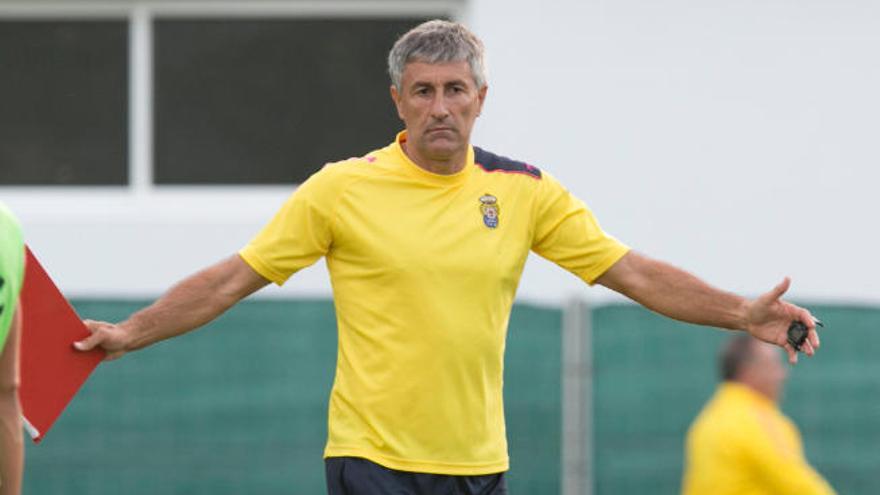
240, 406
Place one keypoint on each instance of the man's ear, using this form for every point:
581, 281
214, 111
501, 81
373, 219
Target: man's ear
482, 96
395, 97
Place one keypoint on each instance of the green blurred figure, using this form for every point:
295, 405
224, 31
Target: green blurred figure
11, 278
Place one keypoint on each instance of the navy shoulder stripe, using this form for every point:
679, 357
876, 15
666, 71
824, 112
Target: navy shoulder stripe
490, 162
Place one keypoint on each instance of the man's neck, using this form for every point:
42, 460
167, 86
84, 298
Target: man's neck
755, 389
450, 166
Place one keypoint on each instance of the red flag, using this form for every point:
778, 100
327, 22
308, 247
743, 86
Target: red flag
52, 371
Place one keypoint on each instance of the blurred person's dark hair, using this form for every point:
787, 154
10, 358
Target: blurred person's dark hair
734, 354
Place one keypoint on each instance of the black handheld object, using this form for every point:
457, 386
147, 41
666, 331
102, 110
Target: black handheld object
797, 335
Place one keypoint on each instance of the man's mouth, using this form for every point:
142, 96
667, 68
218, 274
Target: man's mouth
441, 129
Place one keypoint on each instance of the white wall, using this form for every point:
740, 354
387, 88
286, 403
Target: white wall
737, 139
732, 138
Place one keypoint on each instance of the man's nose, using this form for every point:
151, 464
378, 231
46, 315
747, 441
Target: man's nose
439, 108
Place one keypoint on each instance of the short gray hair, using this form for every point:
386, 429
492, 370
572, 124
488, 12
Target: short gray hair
437, 42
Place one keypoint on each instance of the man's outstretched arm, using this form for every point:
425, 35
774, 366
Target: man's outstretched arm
677, 294
188, 305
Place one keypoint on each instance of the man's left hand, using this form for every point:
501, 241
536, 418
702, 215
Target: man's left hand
768, 318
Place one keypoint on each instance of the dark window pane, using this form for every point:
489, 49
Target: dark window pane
63, 102
269, 101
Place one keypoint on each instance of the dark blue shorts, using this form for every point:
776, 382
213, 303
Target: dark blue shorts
356, 476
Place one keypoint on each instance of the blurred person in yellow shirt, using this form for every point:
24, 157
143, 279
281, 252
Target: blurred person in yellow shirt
741, 443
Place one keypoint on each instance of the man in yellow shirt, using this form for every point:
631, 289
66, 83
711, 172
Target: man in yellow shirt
741, 443
425, 241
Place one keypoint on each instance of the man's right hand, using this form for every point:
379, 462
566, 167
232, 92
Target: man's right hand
112, 338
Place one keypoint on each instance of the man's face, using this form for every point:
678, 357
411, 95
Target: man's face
439, 104
765, 371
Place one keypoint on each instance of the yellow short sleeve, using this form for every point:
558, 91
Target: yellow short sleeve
299, 233
567, 233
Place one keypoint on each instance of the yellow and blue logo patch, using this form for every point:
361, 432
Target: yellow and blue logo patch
490, 210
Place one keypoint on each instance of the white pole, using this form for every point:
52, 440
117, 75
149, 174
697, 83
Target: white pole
140, 74
577, 397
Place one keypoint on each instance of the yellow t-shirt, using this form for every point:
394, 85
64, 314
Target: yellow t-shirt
424, 269
742, 444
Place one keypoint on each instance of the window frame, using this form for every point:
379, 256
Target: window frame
140, 16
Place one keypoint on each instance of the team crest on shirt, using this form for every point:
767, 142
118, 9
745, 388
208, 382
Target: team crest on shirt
490, 210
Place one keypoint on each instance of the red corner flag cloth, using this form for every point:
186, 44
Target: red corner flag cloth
51, 369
